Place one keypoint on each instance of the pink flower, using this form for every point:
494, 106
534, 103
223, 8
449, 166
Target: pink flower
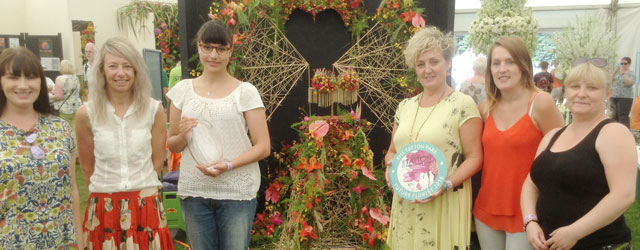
277, 220
418, 21
319, 128
377, 215
211, 16
366, 172
359, 188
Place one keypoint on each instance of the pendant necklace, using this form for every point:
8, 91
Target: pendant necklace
413, 139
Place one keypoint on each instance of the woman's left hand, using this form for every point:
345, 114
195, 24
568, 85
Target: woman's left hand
213, 170
432, 197
562, 239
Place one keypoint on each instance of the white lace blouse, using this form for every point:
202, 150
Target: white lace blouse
122, 150
221, 135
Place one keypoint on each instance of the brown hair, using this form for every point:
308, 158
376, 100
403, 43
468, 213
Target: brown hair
518, 50
21, 61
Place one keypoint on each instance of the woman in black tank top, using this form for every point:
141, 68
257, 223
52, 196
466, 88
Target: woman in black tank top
583, 177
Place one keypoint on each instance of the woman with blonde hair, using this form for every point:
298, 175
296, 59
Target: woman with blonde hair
67, 93
450, 121
583, 178
121, 135
517, 114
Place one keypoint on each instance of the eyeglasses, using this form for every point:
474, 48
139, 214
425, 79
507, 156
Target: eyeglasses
220, 50
624, 63
37, 152
598, 62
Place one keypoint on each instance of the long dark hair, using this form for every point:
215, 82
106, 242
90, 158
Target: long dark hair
21, 61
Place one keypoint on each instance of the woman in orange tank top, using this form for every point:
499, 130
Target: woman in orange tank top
517, 115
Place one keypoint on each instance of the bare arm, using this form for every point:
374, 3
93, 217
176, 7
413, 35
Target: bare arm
84, 138
179, 129
628, 81
529, 198
545, 114
58, 90
75, 202
616, 148
471, 140
158, 139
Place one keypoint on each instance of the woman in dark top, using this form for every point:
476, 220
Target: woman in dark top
584, 174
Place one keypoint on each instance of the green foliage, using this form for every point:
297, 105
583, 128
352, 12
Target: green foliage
588, 37
545, 49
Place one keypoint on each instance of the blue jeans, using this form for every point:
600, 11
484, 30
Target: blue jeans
218, 224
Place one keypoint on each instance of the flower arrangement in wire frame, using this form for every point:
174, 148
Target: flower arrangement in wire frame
324, 81
331, 157
587, 37
498, 18
349, 81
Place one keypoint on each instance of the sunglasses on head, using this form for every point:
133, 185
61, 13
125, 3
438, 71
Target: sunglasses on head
598, 62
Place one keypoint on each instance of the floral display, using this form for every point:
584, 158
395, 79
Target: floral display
165, 22
352, 12
498, 18
324, 81
87, 35
326, 181
588, 37
396, 15
349, 81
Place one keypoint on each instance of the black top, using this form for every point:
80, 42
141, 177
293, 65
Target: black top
570, 184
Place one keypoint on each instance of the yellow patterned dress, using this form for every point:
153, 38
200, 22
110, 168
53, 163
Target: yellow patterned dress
444, 223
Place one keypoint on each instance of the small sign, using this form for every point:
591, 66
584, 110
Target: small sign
417, 171
50, 63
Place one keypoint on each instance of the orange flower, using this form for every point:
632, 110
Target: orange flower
346, 161
313, 164
347, 135
358, 163
303, 163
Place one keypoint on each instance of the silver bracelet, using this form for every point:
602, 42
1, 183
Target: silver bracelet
229, 165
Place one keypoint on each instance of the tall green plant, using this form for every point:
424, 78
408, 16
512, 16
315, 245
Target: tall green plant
498, 18
588, 37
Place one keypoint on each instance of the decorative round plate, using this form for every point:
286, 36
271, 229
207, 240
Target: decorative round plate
417, 171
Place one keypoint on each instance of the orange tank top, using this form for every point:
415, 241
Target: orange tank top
508, 156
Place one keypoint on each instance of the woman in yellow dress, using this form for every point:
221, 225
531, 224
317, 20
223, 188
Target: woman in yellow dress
449, 120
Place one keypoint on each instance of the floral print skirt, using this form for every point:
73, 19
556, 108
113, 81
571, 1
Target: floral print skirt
126, 220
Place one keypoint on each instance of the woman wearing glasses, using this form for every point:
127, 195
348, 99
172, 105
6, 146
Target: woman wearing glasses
584, 174
517, 114
219, 173
39, 202
622, 96
121, 135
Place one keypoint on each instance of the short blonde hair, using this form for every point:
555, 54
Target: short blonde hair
66, 68
590, 72
120, 47
425, 39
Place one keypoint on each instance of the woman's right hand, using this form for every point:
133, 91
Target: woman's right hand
186, 125
535, 235
387, 163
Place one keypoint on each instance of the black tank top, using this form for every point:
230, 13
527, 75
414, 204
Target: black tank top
570, 184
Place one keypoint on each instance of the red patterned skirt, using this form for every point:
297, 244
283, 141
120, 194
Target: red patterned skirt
126, 220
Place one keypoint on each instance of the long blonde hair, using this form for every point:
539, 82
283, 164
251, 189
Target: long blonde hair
97, 100
518, 50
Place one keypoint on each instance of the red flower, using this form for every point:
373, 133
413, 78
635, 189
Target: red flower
273, 192
346, 161
308, 231
359, 188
